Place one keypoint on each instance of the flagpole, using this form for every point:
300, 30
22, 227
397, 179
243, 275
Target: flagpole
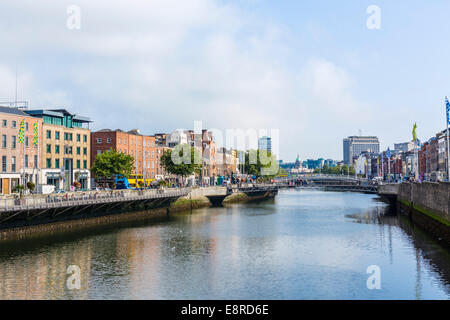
448, 137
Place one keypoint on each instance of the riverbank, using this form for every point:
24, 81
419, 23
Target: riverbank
427, 205
196, 199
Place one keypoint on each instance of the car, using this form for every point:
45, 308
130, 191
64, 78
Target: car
60, 191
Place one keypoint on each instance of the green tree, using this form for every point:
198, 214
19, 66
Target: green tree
183, 160
112, 163
261, 164
31, 186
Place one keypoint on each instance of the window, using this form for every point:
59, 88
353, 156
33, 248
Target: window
4, 163
49, 148
49, 163
99, 141
70, 137
26, 161
66, 136
57, 163
85, 138
26, 126
57, 149
108, 140
35, 161
78, 137
26, 141
78, 150
68, 150
99, 151
84, 164
4, 141
78, 164
5, 123
13, 142
49, 134
124, 141
85, 151
13, 164
120, 141
14, 124
57, 135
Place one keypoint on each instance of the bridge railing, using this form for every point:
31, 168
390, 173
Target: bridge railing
75, 199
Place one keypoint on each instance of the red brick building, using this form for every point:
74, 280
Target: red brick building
141, 147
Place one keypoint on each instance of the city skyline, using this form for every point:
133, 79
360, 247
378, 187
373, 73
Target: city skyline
290, 66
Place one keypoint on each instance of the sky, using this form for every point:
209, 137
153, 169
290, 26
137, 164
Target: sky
310, 69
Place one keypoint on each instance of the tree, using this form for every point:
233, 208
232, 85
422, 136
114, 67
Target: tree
112, 163
31, 186
182, 161
77, 184
261, 163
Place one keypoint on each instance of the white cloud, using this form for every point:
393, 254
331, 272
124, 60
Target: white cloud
160, 65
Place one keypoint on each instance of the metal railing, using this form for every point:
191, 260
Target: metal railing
69, 200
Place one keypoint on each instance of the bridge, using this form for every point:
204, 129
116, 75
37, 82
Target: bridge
216, 195
54, 207
342, 188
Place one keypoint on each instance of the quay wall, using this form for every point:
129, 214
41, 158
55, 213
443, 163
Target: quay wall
428, 205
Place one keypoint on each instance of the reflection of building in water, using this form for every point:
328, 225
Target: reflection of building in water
43, 274
140, 250
428, 252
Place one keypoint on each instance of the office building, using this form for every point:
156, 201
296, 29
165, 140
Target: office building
64, 148
265, 143
355, 145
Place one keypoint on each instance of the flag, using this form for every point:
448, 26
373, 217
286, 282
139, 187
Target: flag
378, 160
35, 134
388, 153
22, 132
447, 104
414, 133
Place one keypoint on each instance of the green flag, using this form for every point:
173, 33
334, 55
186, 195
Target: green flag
22, 131
414, 133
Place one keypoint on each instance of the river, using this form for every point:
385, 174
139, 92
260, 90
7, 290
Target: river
301, 245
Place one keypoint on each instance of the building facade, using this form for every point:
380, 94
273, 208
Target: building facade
19, 161
355, 145
265, 143
141, 147
64, 149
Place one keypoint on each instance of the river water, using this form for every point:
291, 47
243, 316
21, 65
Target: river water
302, 245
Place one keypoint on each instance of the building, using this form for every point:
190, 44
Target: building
315, 164
19, 162
141, 147
442, 153
265, 143
64, 148
403, 147
353, 146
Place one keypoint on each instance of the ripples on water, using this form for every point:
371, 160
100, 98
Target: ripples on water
302, 245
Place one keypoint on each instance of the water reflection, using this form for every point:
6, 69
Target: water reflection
303, 245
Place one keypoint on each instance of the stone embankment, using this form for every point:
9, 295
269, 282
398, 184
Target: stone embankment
426, 203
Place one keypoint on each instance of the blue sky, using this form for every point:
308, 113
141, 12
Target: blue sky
311, 69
